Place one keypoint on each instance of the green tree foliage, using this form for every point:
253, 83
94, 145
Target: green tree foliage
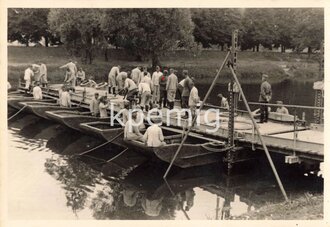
258, 28
215, 26
79, 28
148, 33
309, 29
28, 25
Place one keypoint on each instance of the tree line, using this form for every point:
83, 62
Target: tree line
148, 33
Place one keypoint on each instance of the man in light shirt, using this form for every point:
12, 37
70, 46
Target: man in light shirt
171, 87
281, 109
155, 81
131, 90
193, 99
28, 75
37, 93
153, 136
119, 80
145, 92
71, 66
145, 70
131, 131
103, 106
112, 79
136, 75
223, 102
94, 105
65, 98
43, 74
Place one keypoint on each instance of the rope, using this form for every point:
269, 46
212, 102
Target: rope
113, 158
17, 113
103, 144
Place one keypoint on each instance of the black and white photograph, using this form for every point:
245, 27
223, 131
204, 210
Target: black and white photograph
167, 113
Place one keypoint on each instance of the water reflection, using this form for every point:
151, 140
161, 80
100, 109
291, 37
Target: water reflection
76, 177
131, 187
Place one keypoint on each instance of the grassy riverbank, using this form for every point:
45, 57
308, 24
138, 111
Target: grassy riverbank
305, 207
203, 66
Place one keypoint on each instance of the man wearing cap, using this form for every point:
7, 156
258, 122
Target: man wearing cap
281, 109
153, 137
94, 105
265, 97
171, 87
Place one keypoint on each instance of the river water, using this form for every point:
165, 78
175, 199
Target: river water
288, 91
46, 180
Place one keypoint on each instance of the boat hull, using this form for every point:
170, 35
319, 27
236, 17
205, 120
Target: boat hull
101, 129
73, 119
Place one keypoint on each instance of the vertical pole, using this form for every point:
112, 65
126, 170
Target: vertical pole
232, 103
295, 132
260, 137
318, 114
195, 117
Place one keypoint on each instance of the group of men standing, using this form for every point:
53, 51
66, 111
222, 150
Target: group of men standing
159, 89
36, 73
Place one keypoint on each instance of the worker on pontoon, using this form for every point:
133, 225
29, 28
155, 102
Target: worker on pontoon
103, 106
140, 118
43, 74
265, 97
65, 98
223, 102
281, 109
37, 93
112, 79
153, 136
193, 99
131, 131
162, 89
72, 68
131, 90
171, 87
119, 80
125, 112
28, 76
70, 78
187, 86
155, 81
81, 76
136, 75
94, 105
145, 94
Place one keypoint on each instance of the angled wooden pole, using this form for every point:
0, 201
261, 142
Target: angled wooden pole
260, 136
195, 117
